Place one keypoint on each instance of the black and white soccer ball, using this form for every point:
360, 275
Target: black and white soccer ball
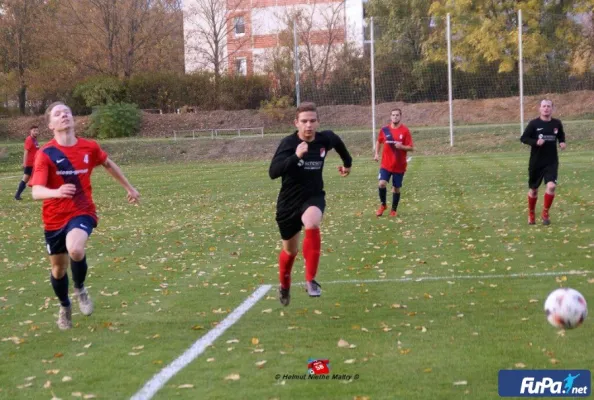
566, 308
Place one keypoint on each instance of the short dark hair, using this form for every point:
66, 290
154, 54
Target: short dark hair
49, 109
396, 109
305, 107
33, 127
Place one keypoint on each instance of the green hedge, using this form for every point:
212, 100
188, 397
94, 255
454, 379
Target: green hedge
114, 120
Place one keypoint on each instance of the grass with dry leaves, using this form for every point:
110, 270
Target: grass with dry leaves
164, 273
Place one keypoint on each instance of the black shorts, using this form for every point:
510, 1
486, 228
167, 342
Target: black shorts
548, 173
28, 170
56, 240
289, 223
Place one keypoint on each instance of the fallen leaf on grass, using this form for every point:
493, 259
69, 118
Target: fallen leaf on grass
520, 365
232, 377
343, 343
351, 361
66, 379
260, 364
255, 341
185, 386
210, 359
47, 384
460, 383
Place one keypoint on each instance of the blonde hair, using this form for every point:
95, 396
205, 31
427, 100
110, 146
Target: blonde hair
48, 110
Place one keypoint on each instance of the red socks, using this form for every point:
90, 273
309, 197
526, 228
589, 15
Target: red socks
532, 203
548, 201
311, 252
285, 265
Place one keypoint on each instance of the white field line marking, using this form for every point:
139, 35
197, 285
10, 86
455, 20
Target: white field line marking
454, 277
11, 177
160, 379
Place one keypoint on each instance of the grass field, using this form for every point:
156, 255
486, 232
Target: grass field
455, 293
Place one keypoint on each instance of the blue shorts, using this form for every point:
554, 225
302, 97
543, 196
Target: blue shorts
384, 175
56, 240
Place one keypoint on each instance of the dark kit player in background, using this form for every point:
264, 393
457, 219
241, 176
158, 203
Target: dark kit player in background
299, 160
542, 134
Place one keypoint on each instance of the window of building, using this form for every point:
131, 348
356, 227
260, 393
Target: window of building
241, 66
239, 26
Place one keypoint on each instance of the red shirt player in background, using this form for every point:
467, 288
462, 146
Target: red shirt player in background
62, 179
31, 147
398, 141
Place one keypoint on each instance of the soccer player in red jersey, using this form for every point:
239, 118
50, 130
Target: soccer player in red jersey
299, 160
31, 147
397, 142
62, 179
542, 135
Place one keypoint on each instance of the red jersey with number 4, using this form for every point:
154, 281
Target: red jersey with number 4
57, 165
394, 160
31, 145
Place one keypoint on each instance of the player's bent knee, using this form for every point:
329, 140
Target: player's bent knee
59, 270
77, 253
312, 225
383, 184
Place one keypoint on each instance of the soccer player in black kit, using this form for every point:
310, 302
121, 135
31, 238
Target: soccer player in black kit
299, 160
542, 134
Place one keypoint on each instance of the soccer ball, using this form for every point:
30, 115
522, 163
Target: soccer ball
566, 308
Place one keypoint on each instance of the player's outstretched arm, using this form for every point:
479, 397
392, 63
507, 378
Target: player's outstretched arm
378, 147
283, 161
116, 172
561, 137
340, 147
528, 137
40, 192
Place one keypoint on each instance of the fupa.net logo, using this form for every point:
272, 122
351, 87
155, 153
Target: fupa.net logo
545, 383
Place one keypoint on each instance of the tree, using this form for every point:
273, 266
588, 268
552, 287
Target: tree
210, 35
115, 37
20, 39
486, 31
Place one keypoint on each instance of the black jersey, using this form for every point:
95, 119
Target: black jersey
302, 178
552, 132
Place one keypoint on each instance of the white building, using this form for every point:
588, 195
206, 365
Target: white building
253, 29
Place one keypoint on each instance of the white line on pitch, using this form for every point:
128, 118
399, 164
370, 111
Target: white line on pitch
454, 277
160, 379
11, 177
